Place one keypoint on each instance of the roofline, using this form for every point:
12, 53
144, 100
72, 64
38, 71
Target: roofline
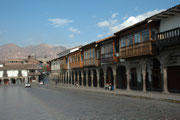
165, 11
88, 44
146, 20
104, 39
127, 28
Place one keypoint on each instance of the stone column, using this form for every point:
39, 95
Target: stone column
2, 81
82, 78
115, 78
92, 77
78, 78
165, 84
98, 86
105, 78
87, 78
71, 78
144, 80
128, 80
74, 76
62, 78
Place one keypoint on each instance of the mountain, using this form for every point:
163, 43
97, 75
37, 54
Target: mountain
41, 51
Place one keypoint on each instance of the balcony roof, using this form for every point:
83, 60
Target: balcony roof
104, 39
132, 26
165, 14
87, 45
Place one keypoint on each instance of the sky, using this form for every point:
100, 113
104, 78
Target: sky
71, 23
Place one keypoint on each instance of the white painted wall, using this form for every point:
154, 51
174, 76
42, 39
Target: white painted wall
1, 73
170, 23
12, 73
55, 65
24, 73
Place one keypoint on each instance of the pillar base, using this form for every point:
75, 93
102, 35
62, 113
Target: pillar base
129, 89
145, 91
165, 92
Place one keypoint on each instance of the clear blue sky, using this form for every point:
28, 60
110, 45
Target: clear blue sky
71, 22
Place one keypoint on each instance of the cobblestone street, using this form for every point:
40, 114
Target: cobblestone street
44, 103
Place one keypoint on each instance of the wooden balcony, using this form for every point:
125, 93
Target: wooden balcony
168, 38
140, 49
91, 62
76, 65
109, 59
63, 66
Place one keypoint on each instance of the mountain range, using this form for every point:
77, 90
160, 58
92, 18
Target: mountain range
41, 51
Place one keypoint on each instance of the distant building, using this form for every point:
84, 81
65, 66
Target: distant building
17, 71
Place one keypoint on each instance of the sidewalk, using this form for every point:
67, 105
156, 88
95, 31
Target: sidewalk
167, 97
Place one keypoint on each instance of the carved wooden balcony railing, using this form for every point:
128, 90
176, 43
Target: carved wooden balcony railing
76, 65
91, 62
168, 38
144, 48
63, 66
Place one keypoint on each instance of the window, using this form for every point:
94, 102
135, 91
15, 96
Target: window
97, 53
153, 34
107, 50
145, 35
137, 38
123, 42
102, 50
78, 58
93, 53
130, 40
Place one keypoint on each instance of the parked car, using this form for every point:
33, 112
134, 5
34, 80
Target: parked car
27, 85
41, 83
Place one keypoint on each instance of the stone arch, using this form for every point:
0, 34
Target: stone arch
19, 80
101, 78
84, 78
67, 77
173, 70
94, 78
76, 77
154, 75
109, 76
64, 77
6, 81
121, 80
13, 81
80, 78
73, 77
70, 77
89, 78
60, 74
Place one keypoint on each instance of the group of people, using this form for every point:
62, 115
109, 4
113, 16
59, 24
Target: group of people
108, 86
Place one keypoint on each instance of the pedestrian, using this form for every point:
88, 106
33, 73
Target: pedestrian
110, 86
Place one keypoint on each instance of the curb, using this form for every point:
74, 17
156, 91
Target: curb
118, 94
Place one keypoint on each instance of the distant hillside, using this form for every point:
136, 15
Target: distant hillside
41, 51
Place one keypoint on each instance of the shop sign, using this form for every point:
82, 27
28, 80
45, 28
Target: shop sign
174, 60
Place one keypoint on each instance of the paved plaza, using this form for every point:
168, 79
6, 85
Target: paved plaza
46, 103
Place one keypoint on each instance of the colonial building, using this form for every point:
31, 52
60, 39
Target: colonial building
144, 57
168, 43
17, 71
